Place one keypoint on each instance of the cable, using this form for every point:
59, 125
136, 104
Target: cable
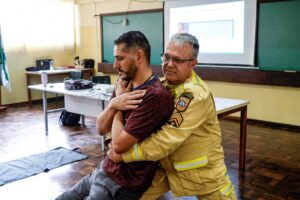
111, 22
124, 21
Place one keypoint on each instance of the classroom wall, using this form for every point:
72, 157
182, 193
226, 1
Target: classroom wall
267, 103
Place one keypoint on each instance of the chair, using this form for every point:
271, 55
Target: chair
101, 79
76, 75
88, 63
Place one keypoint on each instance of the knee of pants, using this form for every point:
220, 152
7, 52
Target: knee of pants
99, 192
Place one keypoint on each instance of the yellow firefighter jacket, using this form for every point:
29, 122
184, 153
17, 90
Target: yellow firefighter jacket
189, 146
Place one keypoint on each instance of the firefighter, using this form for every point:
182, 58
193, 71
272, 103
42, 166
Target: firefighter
189, 146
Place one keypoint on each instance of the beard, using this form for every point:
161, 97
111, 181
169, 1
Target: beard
129, 74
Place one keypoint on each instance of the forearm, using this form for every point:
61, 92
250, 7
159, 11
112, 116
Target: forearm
117, 125
104, 119
126, 101
121, 140
158, 145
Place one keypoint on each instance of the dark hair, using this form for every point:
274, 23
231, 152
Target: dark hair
135, 40
181, 38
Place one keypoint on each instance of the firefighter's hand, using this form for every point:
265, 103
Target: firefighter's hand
116, 158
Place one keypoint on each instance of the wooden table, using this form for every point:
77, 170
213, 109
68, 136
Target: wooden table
65, 72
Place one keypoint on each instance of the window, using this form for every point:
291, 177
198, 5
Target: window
37, 25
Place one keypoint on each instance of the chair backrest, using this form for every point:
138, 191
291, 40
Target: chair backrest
88, 63
101, 79
76, 75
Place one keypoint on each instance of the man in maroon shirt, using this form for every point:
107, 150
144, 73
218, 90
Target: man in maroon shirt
141, 116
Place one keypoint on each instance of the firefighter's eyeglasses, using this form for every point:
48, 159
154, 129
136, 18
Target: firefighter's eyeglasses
177, 61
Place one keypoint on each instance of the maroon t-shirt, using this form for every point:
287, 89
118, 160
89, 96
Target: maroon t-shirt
154, 111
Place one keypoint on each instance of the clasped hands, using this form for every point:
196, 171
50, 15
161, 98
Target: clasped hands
117, 158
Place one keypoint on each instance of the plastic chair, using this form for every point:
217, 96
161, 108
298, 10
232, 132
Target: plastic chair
101, 79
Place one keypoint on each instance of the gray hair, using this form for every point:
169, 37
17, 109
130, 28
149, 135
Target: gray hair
182, 38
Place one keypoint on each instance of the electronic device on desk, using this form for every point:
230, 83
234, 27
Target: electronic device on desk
44, 64
78, 84
31, 69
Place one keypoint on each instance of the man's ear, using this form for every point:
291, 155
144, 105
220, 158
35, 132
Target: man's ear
194, 63
140, 56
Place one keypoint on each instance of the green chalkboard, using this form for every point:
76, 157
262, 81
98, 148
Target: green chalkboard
279, 36
149, 23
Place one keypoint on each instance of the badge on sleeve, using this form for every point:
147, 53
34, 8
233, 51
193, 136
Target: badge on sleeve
176, 119
184, 101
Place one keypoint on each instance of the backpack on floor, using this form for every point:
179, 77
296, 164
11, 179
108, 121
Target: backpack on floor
69, 119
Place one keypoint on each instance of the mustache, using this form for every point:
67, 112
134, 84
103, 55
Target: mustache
120, 71
168, 69
124, 78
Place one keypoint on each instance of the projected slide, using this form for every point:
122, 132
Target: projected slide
225, 28
219, 27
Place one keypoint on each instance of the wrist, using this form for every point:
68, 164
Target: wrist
119, 115
112, 105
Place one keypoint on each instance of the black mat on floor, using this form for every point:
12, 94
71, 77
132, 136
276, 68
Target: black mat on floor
43, 162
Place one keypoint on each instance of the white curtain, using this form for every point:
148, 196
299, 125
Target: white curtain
37, 25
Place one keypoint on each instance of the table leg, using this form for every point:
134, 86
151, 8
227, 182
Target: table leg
102, 143
83, 120
243, 138
28, 90
45, 108
103, 105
